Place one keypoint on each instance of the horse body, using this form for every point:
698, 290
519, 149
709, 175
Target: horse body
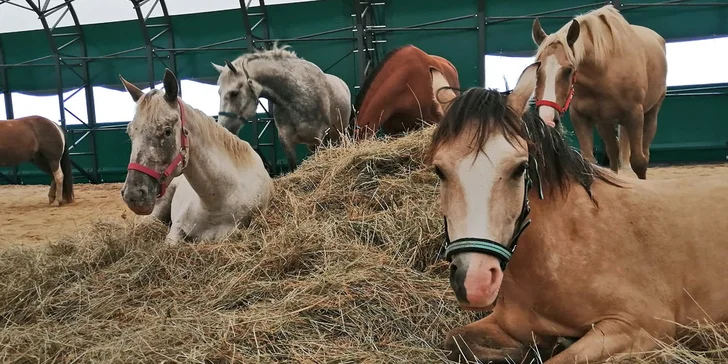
642, 275
402, 93
311, 106
40, 141
221, 184
614, 263
618, 72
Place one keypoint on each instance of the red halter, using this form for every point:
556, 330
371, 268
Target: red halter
180, 158
561, 110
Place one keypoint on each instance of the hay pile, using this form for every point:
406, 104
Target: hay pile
342, 268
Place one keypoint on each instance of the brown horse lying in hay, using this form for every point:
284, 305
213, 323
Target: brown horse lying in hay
40, 141
402, 92
615, 263
616, 73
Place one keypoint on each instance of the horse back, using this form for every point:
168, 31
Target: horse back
20, 139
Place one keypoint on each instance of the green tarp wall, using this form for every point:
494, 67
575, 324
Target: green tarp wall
693, 123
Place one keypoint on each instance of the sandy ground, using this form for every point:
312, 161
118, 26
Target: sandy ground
27, 219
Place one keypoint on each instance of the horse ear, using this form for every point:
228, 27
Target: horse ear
518, 99
217, 67
573, 33
537, 32
171, 89
231, 67
134, 91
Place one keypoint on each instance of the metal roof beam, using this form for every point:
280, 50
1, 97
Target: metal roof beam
42, 13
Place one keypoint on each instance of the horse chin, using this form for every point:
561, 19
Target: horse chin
141, 210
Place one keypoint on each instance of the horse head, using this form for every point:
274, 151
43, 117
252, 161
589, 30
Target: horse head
557, 74
158, 144
239, 94
480, 152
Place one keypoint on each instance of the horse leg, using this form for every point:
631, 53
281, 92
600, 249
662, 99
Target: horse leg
650, 128
40, 161
485, 340
608, 339
624, 150
289, 147
584, 130
609, 135
634, 127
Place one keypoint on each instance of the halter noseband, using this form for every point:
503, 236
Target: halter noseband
490, 247
255, 99
181, 158
559, 108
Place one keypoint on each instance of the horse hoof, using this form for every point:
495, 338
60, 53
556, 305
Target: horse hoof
57, 203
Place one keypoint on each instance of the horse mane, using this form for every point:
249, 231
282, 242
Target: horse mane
274, 53
373, 75
608, 31
153, 103
486, 110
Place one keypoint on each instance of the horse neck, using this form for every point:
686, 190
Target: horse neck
278, 85
210, 164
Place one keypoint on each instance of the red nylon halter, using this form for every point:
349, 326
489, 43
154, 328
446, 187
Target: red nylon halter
181, 157
561, 110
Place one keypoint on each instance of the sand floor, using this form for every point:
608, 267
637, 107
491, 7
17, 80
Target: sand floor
27, 219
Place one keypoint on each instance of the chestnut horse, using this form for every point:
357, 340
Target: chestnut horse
612, 263
402, 92
42, 142
616, 73
188, 170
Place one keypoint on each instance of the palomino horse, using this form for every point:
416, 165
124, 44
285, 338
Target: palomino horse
616, 73
42, 142
187, 170
609, 261
311, 107
402, 93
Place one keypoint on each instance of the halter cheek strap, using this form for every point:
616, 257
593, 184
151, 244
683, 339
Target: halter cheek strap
181, 158
559, 108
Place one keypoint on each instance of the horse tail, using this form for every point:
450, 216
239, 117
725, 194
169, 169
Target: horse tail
352, 121
68, 195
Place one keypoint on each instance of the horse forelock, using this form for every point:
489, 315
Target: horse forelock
605, 30
484, 113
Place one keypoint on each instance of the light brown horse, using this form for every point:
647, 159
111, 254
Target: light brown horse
40, 141
610, 262
402, 92
616, 73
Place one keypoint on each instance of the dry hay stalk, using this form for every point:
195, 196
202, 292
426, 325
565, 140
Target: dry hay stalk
341, 268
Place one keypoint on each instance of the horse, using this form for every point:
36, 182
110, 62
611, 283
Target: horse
616, 73
607, 262
403, 92
188, 171
42, 142
311, 107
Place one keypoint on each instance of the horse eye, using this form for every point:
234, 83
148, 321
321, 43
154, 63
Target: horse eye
168, 131
234, 93
520, 170
439, 173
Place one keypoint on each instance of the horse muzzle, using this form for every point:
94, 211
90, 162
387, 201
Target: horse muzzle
475, 279
140, 199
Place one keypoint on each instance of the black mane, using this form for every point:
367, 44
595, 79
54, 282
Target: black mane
487, 110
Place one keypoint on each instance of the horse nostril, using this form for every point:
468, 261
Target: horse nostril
453, 270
